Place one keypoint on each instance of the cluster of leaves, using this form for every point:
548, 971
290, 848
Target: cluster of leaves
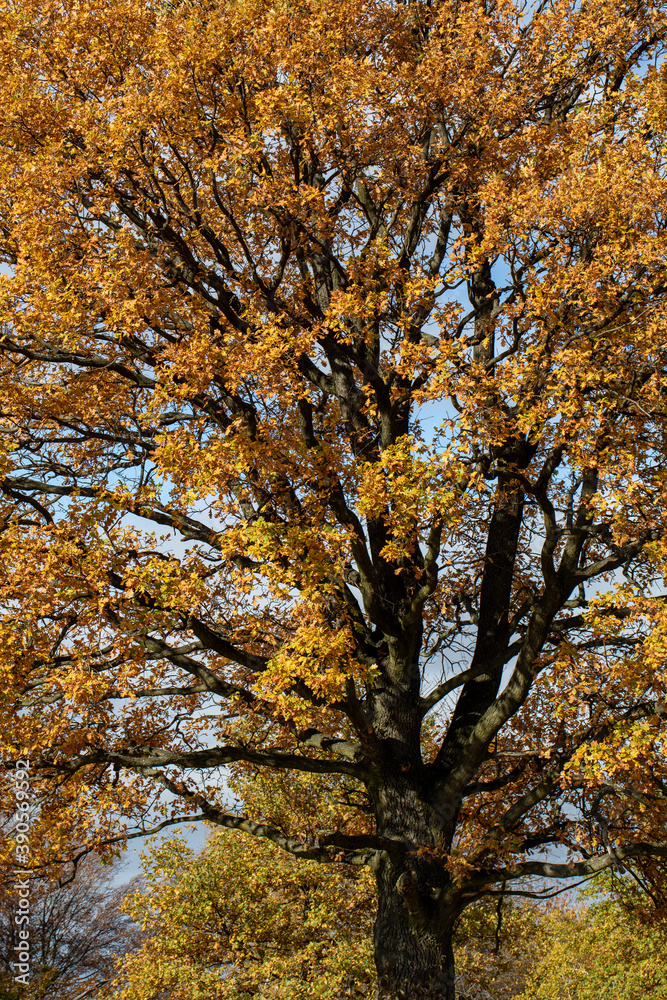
246, 920
602, 950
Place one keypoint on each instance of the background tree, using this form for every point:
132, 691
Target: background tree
77, 931
362, 306
601, 950
246, 920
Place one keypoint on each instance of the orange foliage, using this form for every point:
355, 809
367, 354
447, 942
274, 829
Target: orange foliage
332, 382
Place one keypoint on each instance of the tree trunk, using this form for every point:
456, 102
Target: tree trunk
414, 956
417, 902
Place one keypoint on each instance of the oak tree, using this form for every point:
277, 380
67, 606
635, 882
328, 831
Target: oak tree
333, 433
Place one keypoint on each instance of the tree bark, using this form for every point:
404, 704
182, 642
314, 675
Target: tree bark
417, 902
414, 955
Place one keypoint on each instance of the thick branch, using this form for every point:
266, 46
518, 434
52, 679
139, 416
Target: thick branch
573, 869
146, 759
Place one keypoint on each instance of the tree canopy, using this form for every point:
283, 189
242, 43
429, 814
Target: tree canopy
332, 432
